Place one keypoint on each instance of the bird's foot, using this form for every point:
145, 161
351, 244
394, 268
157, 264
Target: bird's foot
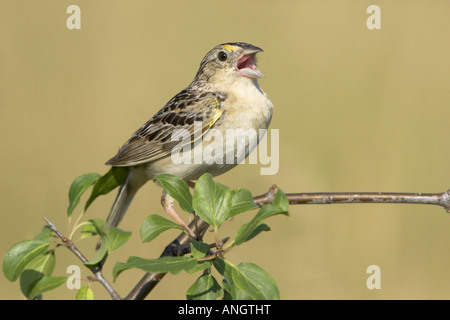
167, 203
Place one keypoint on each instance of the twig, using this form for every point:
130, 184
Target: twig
198, 226
96, 271
183, 249
150, 280
440, 199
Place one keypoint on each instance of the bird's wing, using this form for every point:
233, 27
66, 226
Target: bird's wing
187, 115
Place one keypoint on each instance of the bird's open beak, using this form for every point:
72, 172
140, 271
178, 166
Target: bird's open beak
246, 64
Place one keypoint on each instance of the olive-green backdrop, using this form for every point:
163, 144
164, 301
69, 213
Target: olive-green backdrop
357, 110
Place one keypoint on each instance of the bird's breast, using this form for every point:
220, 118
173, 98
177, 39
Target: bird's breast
247, 106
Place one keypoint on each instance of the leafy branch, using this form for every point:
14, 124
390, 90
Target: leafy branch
96, 270
213, 204
150, 280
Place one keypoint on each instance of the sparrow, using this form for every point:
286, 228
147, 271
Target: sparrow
224, 95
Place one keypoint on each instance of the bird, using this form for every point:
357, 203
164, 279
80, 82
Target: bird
224, 95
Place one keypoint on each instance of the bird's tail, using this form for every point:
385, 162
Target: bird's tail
126, 193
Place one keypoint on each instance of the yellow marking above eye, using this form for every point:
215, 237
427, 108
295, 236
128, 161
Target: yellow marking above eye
228, 47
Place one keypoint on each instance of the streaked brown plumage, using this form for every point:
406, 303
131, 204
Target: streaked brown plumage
223, 95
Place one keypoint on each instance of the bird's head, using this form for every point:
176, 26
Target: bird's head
228, 62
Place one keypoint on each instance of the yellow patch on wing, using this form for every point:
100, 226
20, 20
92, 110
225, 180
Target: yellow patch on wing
216, 113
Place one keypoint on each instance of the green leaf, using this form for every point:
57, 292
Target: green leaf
200, 266
43, 263
85, 293
101, 254
211, 201
241, 201
39, 267
225, 268
111, 239
237, 294
108, 182
255, 282
225, 285
177, 189
205, 287
246, 231
46, 283
227, 289
250, 232
99, 226
255, 226
45, 235
154, 225
199, 249
104, 244
88, 230
280, 200
28, 280
162, 265
19, 255
268, 211
116, 238
78, 187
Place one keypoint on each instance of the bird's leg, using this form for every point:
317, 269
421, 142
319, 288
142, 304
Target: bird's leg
191, 184
167, 203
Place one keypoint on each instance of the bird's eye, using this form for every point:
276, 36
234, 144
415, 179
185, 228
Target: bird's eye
222, 56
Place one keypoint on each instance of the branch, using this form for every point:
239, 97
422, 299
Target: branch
440, 199
96, 271
198, 226
150, 280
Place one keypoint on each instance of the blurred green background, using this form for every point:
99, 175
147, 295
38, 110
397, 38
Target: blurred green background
357, 109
